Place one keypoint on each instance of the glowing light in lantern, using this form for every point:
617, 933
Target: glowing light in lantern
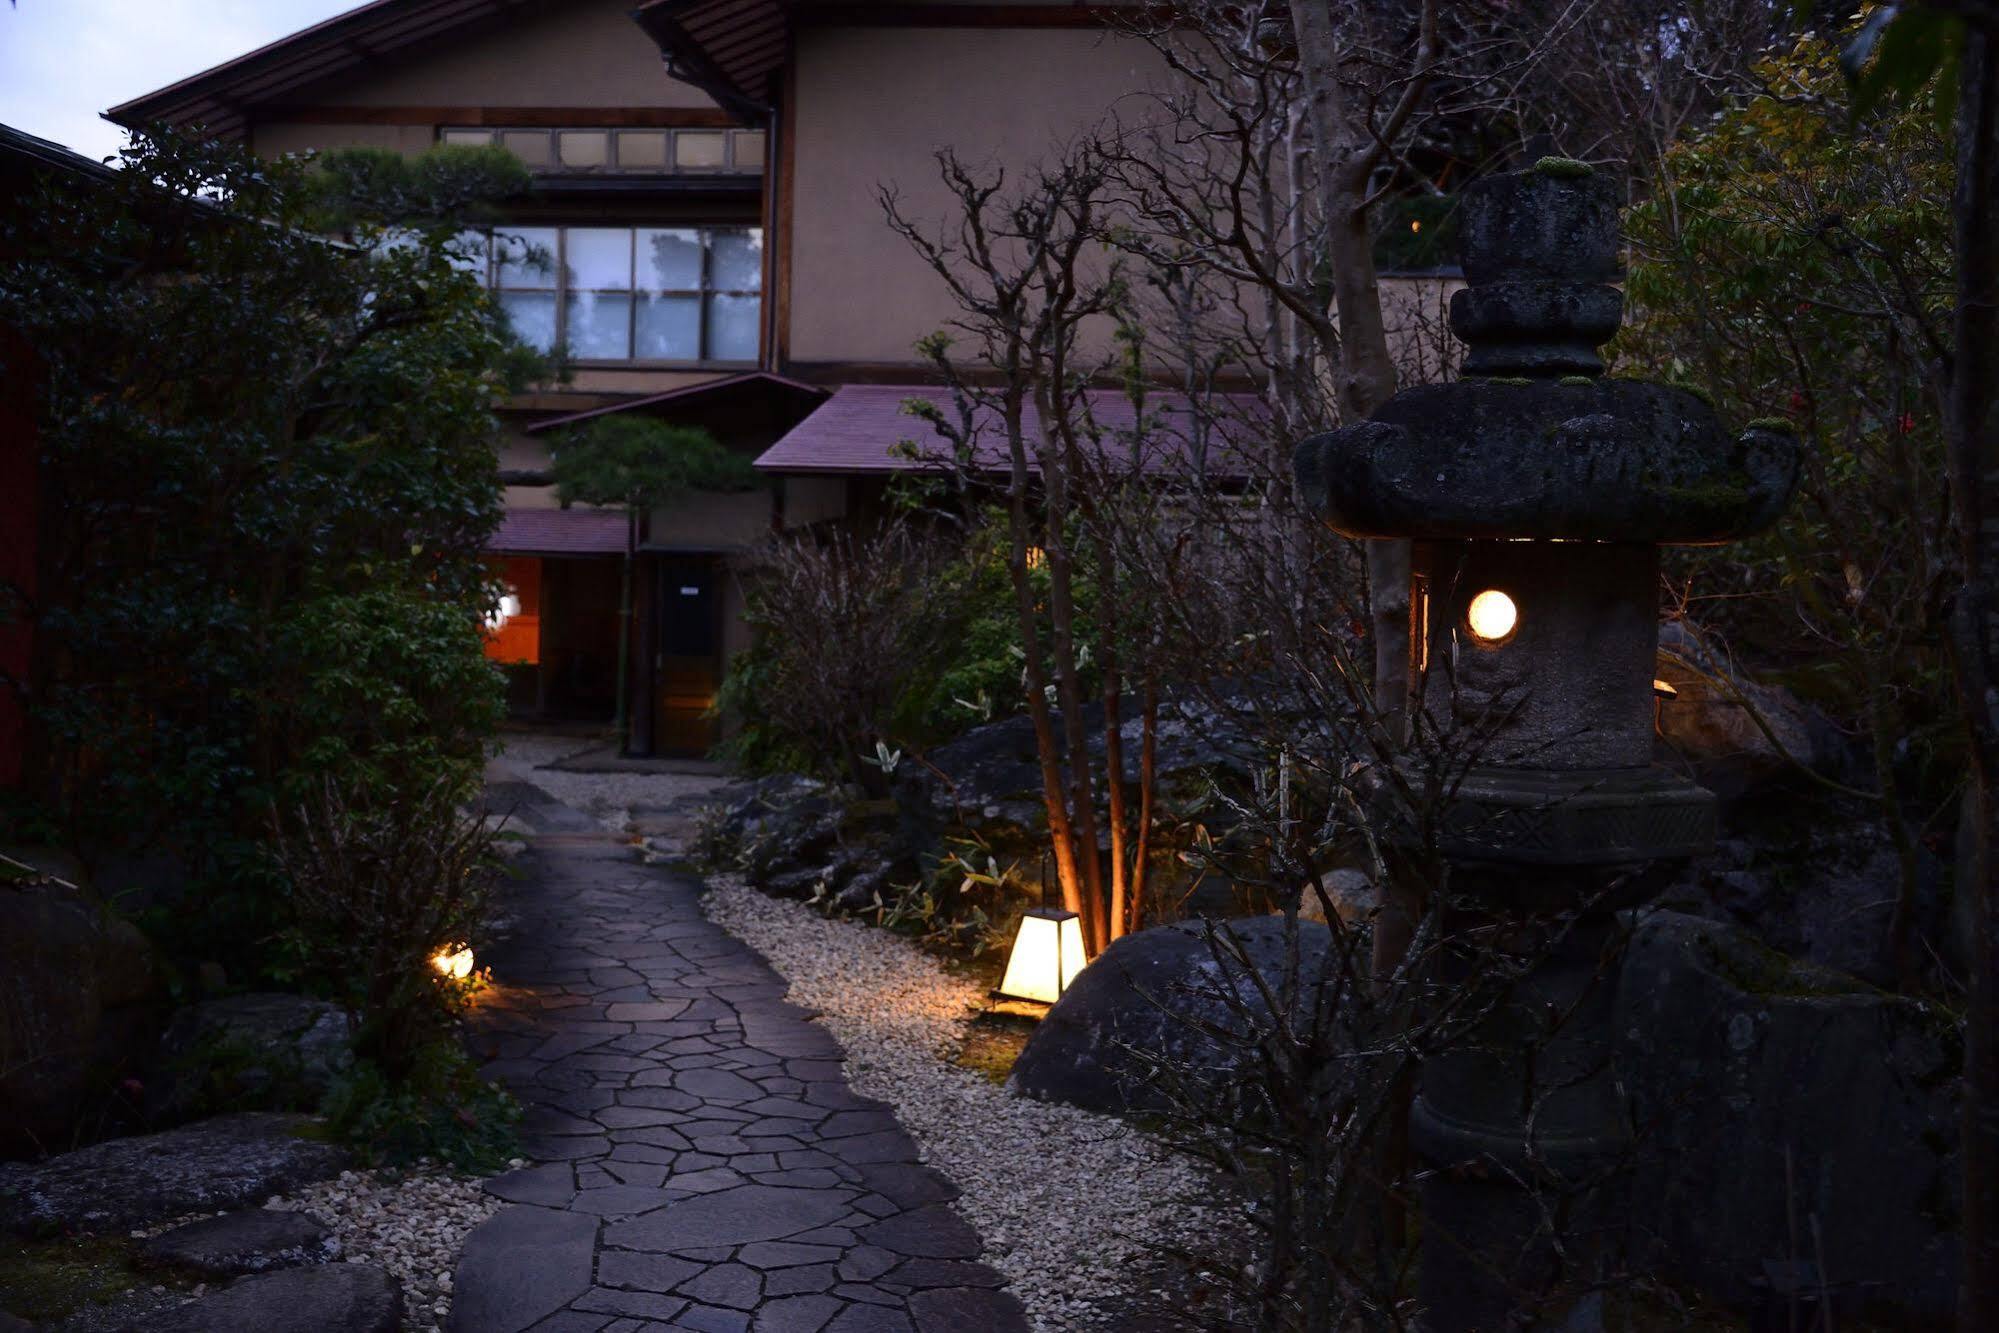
1492, 616
1047, 955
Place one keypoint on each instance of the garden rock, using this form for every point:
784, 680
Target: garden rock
1709, 724
1824, 894
333, 1298
250, 1240
1771, 1097
282, 1050
1135, 1008
1351, 893
224, 1162
75, 981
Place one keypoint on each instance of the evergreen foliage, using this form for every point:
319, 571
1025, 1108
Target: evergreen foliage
267, 456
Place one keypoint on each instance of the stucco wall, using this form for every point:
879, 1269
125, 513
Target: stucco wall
585, 53
809, 500
714, 522
873, 106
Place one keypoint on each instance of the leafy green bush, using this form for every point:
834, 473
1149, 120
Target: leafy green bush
1797, 266
269, 467
379, 888
441, 1110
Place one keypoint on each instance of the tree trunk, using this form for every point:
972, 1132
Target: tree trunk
625, 628
1973, 426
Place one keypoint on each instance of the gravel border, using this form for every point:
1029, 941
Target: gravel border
411, 1222
1073, 1206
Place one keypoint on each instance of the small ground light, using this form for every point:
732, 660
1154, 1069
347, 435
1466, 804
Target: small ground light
1492, 616
453, 963
1047, 955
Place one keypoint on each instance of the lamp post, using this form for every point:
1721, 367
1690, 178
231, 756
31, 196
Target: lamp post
1536, 494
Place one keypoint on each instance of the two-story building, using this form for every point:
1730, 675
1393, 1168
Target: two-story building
705, 175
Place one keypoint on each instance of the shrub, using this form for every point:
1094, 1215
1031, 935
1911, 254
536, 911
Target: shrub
904, 638
441, 1110
380, 886
268, 466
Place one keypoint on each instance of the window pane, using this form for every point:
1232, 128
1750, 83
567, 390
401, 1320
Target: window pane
749, 150
600, 325
467, 253
468, 138
599, 257
527, 257
531, 315
698, 150
738, 261
530, 146
732, 328
669, 328
669, 259
584, 148
642, 148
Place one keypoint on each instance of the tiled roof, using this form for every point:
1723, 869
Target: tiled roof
858, 429
560, 532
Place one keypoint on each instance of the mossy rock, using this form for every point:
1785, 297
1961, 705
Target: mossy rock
1564, 168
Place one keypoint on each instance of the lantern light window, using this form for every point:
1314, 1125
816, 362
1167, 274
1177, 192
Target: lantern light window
1047, 955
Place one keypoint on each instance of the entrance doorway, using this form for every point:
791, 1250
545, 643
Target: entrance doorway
690, 654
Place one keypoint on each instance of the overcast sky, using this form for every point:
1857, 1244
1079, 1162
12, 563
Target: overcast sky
64, 61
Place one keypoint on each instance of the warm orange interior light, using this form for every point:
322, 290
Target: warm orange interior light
516, 638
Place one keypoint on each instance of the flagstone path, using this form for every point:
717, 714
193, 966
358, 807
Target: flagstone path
698, 1160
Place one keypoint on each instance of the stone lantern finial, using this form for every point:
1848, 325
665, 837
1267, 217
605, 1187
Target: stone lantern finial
1539, 252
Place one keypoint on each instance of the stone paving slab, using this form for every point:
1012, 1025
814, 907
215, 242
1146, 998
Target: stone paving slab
699, 1161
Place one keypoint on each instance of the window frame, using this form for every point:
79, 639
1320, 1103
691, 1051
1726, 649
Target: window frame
553, 165
560, 289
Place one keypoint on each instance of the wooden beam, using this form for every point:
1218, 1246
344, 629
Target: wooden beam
511, 117
784, 184
964, 16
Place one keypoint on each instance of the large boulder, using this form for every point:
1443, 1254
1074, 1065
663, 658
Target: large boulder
276, 1051
1822, 890
76, 1018
226, 1162
1790, 1121
333, 1298
1142, 1005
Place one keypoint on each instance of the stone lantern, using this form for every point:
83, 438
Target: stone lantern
1536, 493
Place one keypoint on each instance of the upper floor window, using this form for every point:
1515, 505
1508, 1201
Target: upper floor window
651, 151
642, 294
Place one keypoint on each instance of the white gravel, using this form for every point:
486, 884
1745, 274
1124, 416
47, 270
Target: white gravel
1070, 1203
410, 1222
609, 798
